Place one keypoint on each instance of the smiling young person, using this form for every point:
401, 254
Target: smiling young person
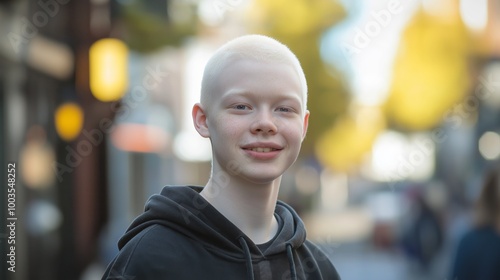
253, 110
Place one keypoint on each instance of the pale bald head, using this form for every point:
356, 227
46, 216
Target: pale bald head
254, 47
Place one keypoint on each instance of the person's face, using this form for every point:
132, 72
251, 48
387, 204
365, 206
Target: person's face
256, 120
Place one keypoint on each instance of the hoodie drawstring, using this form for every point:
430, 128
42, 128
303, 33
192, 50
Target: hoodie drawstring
291, 262
248, 258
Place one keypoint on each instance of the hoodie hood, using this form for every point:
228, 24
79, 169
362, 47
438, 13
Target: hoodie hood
180, 230
185, 210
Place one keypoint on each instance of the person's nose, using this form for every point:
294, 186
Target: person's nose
264, 123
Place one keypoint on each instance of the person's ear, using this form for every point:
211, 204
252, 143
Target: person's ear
200, 120
306, 124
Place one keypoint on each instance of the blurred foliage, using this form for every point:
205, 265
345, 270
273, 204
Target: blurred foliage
430, 73
346, 144
150, 25
300, 24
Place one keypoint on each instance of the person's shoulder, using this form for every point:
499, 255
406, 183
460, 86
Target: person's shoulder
328, 270
480, 235
156, 250
157, 239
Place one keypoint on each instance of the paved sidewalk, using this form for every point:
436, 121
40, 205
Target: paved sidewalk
361, 262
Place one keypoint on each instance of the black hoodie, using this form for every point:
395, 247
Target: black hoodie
180, 236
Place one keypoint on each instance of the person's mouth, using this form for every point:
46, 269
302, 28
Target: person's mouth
262, 149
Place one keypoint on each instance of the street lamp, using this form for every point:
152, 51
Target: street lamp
108, 69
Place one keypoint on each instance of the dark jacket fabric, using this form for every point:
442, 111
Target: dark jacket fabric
180, 236
478, 255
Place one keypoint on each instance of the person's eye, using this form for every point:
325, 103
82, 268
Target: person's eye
240, 107
284, 109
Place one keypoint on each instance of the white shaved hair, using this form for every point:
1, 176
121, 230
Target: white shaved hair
254, 47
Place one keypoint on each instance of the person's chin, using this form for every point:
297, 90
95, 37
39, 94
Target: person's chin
263, 176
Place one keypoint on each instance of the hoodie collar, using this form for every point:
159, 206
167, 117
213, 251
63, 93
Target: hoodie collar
185, 210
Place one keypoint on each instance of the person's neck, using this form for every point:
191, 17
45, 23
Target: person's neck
247, 205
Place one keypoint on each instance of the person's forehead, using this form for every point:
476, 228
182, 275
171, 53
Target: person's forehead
248, 67
247, 59
242, 71
250, 81
238, 75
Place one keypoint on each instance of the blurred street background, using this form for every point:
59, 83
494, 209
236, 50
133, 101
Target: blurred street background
95, 110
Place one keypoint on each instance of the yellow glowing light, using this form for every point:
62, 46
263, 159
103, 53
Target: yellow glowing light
36, 158
108, 69
69, 121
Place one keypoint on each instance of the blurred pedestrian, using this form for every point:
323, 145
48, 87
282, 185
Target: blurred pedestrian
423, 237
478, 253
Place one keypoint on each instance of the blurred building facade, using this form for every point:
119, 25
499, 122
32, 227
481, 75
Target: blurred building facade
59, 193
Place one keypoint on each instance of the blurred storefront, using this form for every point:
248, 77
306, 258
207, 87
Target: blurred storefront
45, 107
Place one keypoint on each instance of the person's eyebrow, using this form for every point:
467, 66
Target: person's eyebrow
234, 93
249, 94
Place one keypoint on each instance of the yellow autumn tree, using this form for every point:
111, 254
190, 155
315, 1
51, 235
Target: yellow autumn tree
346, 143
430, 71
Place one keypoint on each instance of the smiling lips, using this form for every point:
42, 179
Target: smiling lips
262, 151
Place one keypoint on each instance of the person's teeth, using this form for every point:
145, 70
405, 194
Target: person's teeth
262, 150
